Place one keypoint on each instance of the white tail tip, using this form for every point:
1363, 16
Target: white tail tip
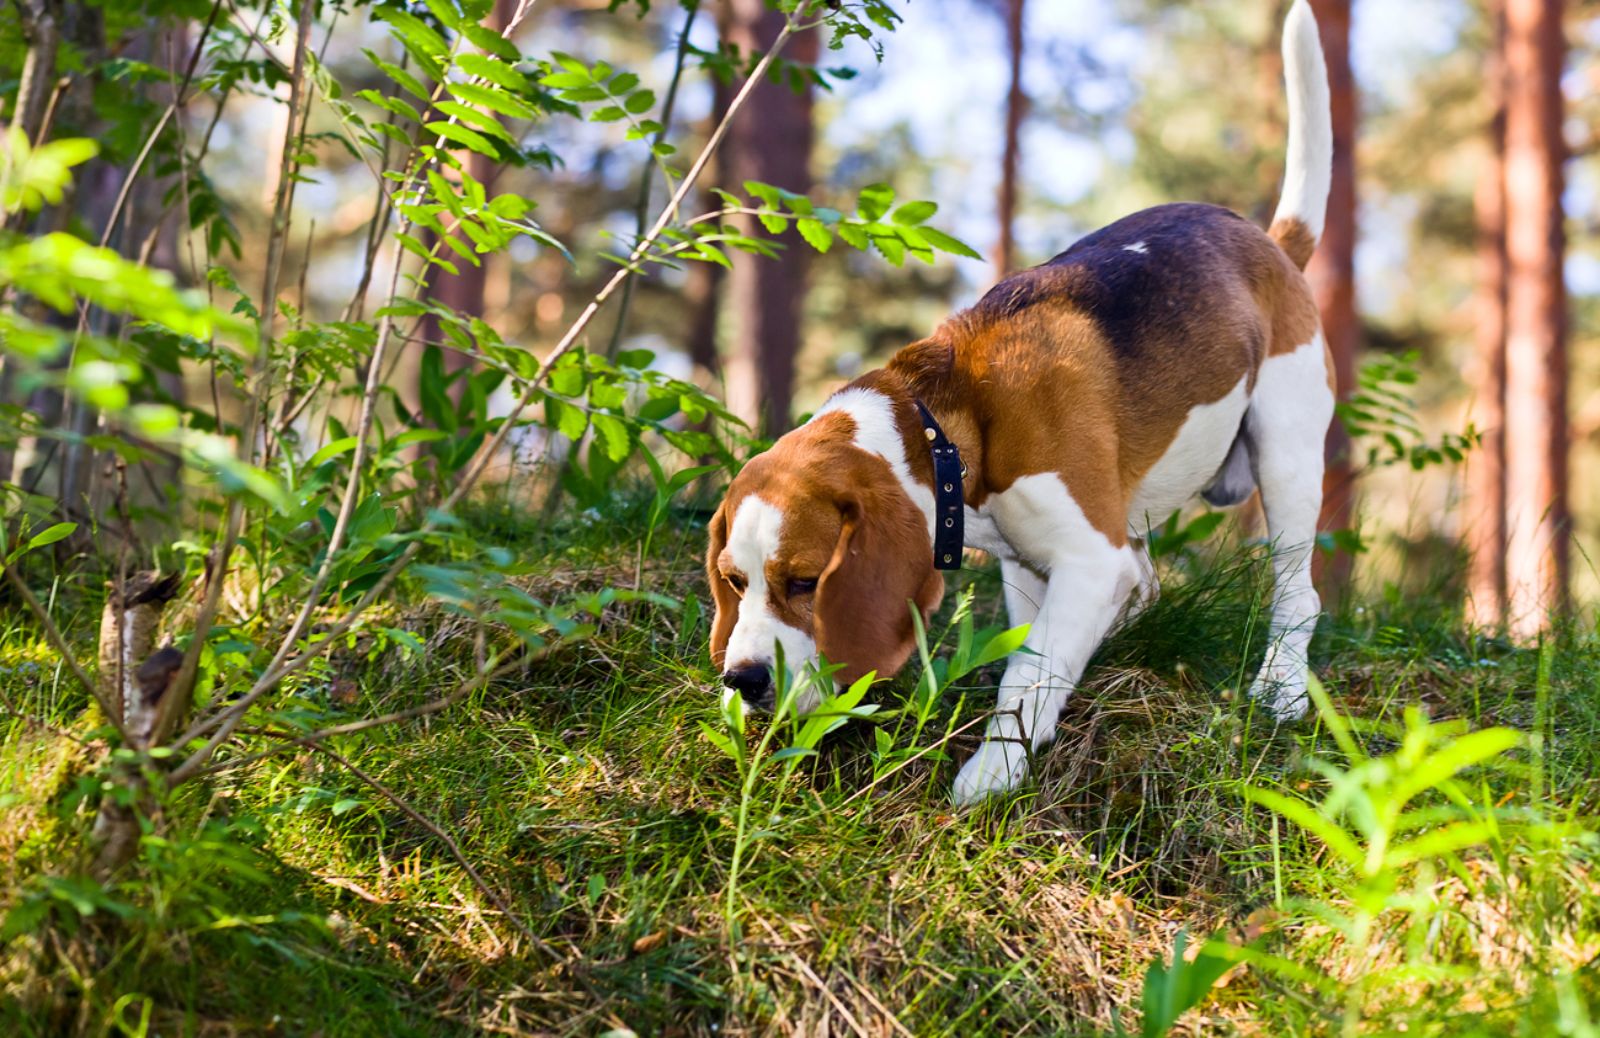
1309, 171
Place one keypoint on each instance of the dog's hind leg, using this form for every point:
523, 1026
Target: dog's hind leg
1287, 423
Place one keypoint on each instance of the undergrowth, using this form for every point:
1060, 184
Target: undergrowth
296, 898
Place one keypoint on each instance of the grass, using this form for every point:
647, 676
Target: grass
289, 897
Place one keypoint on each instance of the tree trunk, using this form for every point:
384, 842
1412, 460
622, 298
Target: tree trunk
769, 141
703, 289
1005, 249
41, 29
1333, 278
702, 292
465, 292
50, 466
1484, 509
1536, 362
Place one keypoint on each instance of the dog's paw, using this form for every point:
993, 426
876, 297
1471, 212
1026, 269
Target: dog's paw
998, 767
1281, 688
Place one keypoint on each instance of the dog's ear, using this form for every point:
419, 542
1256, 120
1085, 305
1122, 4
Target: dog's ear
882, 563
722, 593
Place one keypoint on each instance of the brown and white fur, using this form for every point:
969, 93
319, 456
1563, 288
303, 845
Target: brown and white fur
1172, 354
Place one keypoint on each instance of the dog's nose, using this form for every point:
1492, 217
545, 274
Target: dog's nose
752, 681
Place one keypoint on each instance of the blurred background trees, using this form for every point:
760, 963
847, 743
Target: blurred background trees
1448, 254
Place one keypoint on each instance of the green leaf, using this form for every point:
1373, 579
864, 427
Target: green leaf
493, 70
815, 234
1306, 817
893, 249
572, 422
493, 99
913, 213
566, 379
333, 450
717, 739
414, 436
1439, 843
613, 436
484, 121
414, 31
640, 102
459, 134
51, 534
874, 201
391, 104
566, 80
1171, 991
1448, 761
1000, 646
945, 243
446, 13
854, 235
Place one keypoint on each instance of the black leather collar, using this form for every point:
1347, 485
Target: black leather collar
949, 514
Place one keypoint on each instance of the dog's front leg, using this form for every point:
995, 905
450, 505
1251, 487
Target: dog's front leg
1086, 590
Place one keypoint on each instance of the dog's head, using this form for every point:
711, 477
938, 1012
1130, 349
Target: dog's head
816, 549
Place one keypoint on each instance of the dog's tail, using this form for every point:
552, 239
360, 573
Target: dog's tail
1302, 211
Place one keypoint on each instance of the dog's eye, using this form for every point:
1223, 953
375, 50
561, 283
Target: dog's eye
736, 582
799, 587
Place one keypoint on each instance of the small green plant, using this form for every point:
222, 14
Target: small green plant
973, 649
1382, 414
1390, 824
1172, 990
754, 760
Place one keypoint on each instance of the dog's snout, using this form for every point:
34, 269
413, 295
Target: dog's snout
751, 680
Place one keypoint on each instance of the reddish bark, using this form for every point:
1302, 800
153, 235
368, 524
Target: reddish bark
1484, 509
1333, 278
770, 141
1536, 362
1016, 104
465, 291
702, 290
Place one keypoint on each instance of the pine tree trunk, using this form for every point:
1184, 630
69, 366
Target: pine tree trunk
1333, 278
466, 291
702, 292
1005, 249
769, 141
1484, 509
1536, 363
703, 289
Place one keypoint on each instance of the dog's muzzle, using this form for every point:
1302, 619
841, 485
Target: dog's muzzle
753, 682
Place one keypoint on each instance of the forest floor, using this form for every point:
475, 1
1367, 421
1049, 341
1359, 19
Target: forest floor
292, 897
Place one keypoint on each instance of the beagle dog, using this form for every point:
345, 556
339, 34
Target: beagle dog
1176, 353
